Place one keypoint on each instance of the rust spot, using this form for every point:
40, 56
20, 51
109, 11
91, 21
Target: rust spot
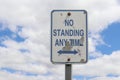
69, 14
68, 59
82, 60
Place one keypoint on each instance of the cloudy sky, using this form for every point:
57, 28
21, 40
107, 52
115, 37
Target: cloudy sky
25, 40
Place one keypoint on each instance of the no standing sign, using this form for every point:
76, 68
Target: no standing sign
69, 43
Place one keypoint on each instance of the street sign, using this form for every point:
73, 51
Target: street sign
69, 43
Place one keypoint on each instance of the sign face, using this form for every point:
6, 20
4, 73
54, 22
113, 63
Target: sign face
69, 36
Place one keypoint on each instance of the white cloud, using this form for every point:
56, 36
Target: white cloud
5, 76
34, 16
102, 66
94, 40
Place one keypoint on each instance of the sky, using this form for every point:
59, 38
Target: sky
25, 40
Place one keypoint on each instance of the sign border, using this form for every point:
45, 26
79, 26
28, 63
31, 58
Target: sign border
86, 39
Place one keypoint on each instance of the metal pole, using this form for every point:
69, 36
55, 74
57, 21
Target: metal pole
68, 72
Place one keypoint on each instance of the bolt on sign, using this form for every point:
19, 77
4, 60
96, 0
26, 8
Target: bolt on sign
69, 43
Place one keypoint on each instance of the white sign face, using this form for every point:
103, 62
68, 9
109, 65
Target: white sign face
69, 36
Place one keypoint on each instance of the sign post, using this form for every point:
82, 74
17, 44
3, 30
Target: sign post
69, 42
68, 72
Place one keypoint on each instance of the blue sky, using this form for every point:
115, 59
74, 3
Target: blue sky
111, 38
25, 40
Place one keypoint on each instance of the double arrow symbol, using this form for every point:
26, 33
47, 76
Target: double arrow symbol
67, 52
